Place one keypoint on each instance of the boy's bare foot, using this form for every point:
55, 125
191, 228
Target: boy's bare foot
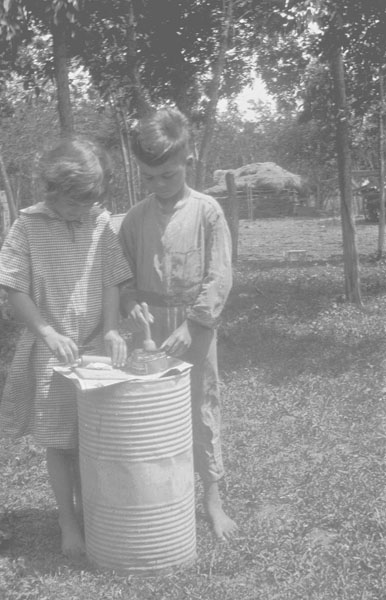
73, 545
223, 526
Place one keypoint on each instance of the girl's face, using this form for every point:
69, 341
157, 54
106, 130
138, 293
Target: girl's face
166, 181
70, 209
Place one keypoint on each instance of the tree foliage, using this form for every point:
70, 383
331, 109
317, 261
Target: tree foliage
177, 43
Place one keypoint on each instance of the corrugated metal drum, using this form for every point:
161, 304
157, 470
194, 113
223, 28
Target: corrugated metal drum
137, 474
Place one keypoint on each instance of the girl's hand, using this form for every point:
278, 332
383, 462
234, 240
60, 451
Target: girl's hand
179, 341
116, 347
138, 314
63, 347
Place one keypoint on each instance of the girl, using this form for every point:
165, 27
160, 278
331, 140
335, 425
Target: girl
61, 264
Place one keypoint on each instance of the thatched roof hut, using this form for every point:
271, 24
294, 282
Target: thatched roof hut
261, 176
263, 189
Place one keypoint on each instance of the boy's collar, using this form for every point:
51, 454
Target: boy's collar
171, 206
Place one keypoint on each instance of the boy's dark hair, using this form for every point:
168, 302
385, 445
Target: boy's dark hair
161, 135
77, 168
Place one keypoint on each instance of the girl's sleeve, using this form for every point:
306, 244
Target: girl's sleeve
15, 260
217, 281
116, 269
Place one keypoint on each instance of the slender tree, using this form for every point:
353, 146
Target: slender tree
141, 100
58, 30
57, 17
381, 139
351, 263
8, 190
210, 116
350, 254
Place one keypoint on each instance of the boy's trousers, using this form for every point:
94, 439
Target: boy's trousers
205, 388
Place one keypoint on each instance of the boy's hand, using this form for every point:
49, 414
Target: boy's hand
138, 312
63, 347
178, 342
116, 347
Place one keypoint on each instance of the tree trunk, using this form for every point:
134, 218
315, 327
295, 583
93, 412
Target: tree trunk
133, 172
125, 150
141, 102
350, 254
8, 190
61, 74
35, 178
126, 166
210, 118
381, 230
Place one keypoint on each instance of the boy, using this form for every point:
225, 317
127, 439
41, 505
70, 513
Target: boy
178, 246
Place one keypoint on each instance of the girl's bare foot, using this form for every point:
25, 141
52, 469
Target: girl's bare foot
64, 477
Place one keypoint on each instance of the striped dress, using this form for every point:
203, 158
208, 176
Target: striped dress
63, 266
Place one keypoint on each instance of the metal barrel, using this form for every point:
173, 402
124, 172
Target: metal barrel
136, 462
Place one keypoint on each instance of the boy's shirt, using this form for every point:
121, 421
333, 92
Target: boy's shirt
180, 257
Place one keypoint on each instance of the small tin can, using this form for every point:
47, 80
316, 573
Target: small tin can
142, 362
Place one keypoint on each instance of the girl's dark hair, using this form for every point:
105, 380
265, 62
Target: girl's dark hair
77, 168
161, 135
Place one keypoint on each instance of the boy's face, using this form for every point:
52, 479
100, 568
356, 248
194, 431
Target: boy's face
166, 181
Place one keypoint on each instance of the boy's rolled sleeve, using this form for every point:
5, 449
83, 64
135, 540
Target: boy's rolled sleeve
217, 281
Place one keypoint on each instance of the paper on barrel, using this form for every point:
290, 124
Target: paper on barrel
91, 379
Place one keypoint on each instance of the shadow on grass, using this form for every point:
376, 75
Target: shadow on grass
36, 541
301, 298
283, 356
267, 264
292, 323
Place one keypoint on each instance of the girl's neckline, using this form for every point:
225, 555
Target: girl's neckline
41, 208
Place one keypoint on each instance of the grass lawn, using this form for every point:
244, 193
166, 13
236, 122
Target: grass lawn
304, 440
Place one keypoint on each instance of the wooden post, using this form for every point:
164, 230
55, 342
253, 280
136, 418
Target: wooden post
250, 202
233, 213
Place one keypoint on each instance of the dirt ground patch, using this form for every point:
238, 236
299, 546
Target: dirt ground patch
320, 239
